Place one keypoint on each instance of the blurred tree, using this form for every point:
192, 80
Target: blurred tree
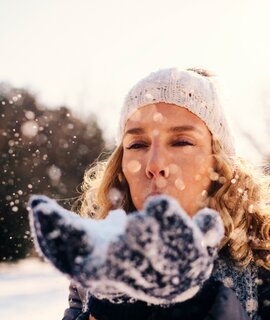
41, 151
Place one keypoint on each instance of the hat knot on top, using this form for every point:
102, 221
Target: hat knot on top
185, 88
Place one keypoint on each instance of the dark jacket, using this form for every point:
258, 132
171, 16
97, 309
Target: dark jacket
213, 302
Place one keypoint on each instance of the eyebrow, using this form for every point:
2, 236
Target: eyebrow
184, 128
177, 129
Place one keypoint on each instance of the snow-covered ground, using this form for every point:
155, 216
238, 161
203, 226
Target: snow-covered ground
32, 290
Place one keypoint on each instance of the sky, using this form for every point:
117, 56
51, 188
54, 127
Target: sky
86, 54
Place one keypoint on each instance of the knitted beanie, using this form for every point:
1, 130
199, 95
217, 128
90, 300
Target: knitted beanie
185, 88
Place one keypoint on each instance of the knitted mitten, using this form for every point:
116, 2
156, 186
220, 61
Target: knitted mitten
159, 255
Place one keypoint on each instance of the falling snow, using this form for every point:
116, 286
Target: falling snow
251, 305
116, 197
29, 115
54, 173
174, 168
29, 129
228, 282
180, 184
134, 166
158, 117
42, 150
161, 182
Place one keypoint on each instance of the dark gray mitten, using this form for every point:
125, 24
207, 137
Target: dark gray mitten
159, 255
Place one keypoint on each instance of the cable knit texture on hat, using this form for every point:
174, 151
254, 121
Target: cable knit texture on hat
199, 94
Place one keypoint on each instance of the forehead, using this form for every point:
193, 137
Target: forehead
163, 115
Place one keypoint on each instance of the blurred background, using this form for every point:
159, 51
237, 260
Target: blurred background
65, 67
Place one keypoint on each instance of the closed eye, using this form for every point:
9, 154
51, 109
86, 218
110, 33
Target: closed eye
182, 143
137, 146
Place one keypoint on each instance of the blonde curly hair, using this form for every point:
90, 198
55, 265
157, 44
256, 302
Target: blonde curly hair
239, 192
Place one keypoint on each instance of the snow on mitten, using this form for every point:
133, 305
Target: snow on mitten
159, 255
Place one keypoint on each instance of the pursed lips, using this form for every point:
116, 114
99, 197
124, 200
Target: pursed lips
154, 190
154, 193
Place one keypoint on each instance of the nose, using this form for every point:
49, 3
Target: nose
156, 165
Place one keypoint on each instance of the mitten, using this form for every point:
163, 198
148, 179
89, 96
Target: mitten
159, 255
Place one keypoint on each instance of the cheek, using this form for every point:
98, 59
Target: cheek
132, 169
197, 170
204, 173
134, 172
136, 189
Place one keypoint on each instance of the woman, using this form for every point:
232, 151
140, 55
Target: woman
174, 139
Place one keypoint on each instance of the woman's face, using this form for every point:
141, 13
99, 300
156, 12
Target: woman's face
167, 150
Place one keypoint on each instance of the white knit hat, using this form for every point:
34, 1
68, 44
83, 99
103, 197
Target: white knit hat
186, 88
